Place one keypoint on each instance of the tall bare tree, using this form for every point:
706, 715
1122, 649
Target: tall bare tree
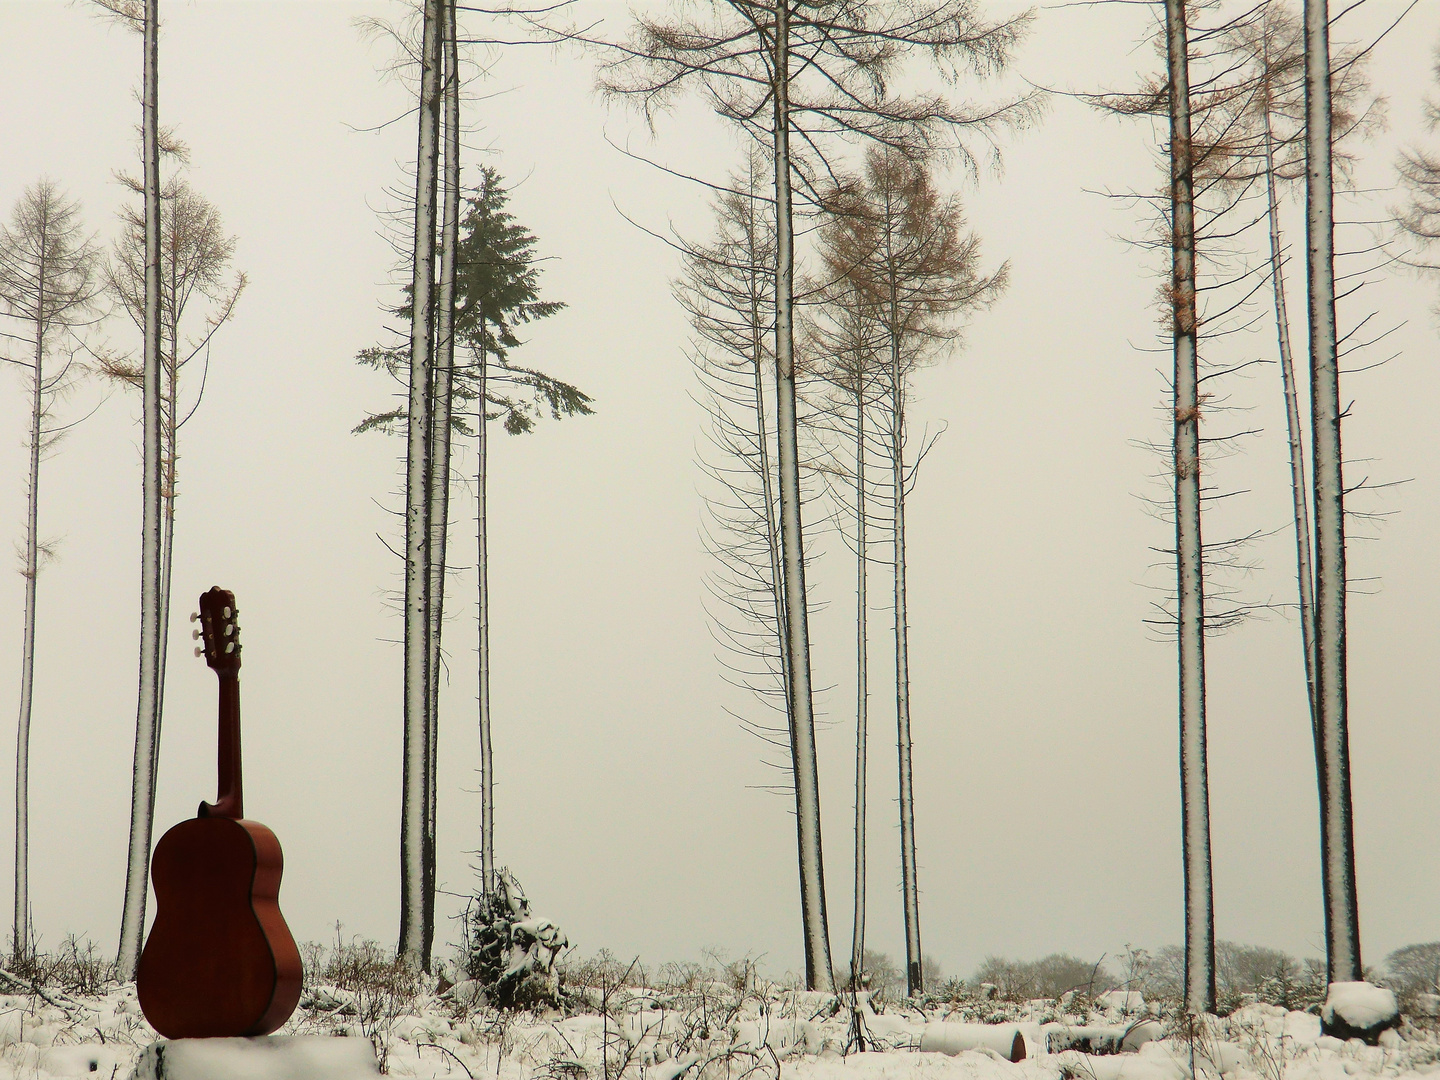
441, 429
817, 73
1198, 154
147, 719
1337, 834
1189, 551
1247, 130
48, 285
917, 272
198, 295
1263, 134
847, 342
414, 797
727, 289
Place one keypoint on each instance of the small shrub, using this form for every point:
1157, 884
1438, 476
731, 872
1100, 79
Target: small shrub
77, 967
594, 972
1412, 971
508, 950
363, 966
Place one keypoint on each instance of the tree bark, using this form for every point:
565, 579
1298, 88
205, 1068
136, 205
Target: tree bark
815, 928
487, 762
169, 443
440, 425
132, 919
767, 487
417, 672
1337, 839
862, 687
21, 928
910, 887
1189, 551
1304, 571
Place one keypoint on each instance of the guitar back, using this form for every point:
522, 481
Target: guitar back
219, 961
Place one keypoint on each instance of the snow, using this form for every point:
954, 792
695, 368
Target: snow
710, 1032
1124, 1002
1362, 1005
305, 1057
1100, 1038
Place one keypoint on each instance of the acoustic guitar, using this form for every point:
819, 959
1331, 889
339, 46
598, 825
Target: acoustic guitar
219, 961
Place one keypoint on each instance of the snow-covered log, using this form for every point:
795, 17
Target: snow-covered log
1101, 1038
783, 1036
1007, 1040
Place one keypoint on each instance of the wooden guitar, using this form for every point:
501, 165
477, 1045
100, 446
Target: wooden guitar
219, 961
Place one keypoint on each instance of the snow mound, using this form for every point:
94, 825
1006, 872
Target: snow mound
1362, 1006
275, 1057
942, 1038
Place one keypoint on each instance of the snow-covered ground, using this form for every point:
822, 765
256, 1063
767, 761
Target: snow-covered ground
713, 1032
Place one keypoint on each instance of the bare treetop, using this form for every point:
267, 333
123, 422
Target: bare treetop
47, 268
844, 59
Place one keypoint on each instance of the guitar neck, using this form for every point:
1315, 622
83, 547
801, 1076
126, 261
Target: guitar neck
230, 801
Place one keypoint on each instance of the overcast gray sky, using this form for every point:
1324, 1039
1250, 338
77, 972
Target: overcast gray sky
628, 803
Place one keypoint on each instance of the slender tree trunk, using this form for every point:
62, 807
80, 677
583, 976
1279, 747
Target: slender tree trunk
167, 543
21, 929
1304, 572
132, 919
818, 975
1189, 557
440, 423
1337, 837
487, 761
169, 441
862, 687
417, 508
910, 887
767, 488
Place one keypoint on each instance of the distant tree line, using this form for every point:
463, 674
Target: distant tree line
1243, 973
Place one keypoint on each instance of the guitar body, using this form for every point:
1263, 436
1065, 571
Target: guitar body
220, 960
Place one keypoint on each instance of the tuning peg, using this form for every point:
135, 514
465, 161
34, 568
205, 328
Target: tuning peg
195, 634
229, 647
199, 651
194, 616
227, 613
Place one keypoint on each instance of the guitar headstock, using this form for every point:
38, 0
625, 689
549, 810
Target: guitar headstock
219, 631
